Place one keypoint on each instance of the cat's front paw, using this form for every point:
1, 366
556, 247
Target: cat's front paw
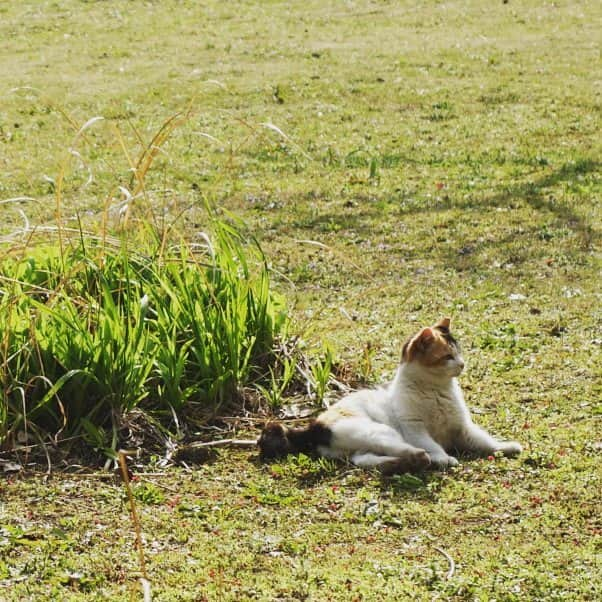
412, 461
510, 448
421, 459
443, 462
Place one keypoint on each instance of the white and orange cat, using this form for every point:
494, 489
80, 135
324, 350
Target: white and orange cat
415, 422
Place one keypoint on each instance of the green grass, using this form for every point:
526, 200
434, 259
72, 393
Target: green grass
420, 160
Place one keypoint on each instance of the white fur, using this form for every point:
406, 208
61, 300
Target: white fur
423, 409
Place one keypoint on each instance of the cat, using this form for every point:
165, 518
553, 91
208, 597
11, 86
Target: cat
410, 425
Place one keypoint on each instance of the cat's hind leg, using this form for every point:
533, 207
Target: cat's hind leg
390, 465
360, 433
374, 444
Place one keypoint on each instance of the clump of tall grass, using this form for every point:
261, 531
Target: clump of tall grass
96, 327
94, 331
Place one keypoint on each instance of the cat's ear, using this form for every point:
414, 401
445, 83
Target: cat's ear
425, 336
417, 344
443, 325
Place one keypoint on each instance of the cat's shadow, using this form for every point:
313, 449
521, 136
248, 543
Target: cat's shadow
313, 471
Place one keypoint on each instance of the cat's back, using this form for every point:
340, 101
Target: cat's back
366, 403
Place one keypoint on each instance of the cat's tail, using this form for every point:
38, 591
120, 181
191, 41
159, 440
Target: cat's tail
277, 440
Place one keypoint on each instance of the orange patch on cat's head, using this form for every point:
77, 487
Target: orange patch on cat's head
432, 346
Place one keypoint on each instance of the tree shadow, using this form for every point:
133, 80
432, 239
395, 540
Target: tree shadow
366, 210
536, 195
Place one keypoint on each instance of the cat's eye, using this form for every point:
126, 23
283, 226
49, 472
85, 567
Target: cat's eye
449, 356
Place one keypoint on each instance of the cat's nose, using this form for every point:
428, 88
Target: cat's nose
461, 364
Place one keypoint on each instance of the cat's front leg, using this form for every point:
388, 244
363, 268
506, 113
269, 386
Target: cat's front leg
439, 457
442, 459
478, 441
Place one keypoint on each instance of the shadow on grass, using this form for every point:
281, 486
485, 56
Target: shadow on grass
364, 214
535, 193
413, 486
312, 471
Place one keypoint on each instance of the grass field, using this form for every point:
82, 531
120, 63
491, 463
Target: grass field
397, 162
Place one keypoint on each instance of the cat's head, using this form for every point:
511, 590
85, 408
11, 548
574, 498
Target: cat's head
434, 349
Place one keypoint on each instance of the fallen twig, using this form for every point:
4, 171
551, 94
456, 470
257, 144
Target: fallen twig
108, 475
200, 452
452, 564
222, 443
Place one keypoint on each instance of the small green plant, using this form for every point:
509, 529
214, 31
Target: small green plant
304, 468
406, 482
321, 369
98, 438
373, 175
148, 493
272, 496
365, 362
281, 377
